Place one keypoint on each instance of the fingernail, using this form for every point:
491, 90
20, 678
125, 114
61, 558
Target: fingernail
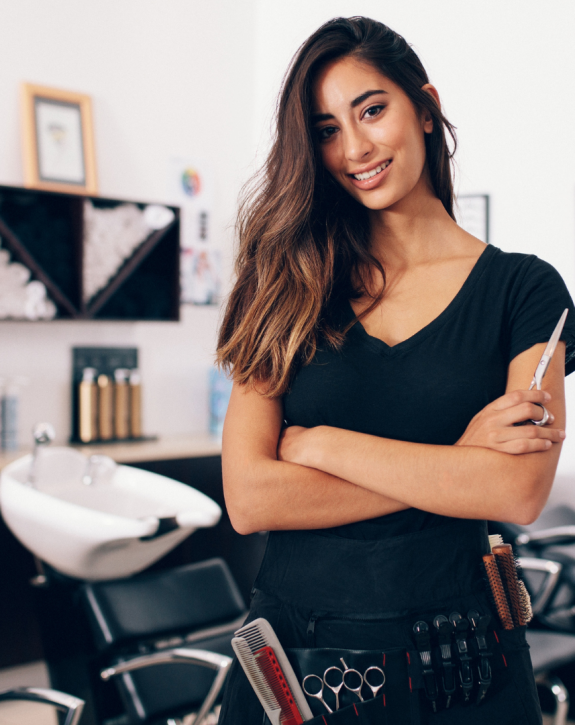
551, 418
548, 444
561, 434
546, 397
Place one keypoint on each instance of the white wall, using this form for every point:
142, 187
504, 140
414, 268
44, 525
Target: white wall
186, 77
167, 78
504, 71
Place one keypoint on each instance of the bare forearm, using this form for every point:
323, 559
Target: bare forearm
459, 481
273, 495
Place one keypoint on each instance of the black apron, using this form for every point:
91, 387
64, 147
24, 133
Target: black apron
324, 594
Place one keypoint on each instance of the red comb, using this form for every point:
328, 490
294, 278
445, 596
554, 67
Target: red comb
269, 666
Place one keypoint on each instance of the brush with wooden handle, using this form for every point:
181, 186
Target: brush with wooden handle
498, 591
508, 570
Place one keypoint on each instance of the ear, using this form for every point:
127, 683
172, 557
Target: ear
427, 118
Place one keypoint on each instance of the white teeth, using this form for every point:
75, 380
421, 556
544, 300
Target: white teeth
372, 173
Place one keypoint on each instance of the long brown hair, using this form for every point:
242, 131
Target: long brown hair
302, 237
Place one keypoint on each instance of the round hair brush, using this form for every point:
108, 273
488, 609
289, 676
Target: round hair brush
508, 570
498, 591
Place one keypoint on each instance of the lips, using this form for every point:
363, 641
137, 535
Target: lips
364, 176
371, 178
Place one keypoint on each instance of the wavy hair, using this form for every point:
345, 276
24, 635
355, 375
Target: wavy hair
303, 240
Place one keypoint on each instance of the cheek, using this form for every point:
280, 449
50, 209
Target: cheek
404, 139
415, 143
328, 154
411, 155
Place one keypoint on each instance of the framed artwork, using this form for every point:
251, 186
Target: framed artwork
58, 140
472, 212
200, 275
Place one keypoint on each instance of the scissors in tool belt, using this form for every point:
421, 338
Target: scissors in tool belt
335, 678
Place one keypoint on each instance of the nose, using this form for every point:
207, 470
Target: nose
357, 145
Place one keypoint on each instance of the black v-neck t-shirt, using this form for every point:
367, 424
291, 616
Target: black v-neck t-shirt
427, 388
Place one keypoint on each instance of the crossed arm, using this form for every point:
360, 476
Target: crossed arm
322, 477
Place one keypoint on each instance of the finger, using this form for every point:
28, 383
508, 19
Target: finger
530, 432
522, 412
516, 397
526, 445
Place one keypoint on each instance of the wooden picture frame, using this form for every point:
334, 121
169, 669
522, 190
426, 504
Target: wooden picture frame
58, 140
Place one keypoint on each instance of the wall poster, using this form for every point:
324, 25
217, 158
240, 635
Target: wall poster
191, 188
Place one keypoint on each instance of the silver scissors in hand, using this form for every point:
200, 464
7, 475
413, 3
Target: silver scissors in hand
543, 364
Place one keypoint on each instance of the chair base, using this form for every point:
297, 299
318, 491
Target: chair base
560, 695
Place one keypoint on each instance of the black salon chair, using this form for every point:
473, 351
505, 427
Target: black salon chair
165, 638
70, 707
549, 650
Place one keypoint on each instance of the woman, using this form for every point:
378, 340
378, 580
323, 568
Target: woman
381, 357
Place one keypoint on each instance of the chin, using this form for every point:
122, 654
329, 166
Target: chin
384, 198
375, 202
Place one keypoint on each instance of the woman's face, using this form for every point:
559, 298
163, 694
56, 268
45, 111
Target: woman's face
366, 126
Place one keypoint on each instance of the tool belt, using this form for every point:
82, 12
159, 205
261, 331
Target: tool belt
453, 649
398, 695
469, 680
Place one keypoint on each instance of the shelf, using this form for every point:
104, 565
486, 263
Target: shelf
198, 445
51, 233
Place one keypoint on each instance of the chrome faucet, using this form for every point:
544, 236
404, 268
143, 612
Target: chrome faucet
43, 433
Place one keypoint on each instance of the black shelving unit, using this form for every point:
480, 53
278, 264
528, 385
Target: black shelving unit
43, 230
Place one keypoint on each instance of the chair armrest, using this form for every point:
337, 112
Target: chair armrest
553, 571
70, 705
203, 658
547, 537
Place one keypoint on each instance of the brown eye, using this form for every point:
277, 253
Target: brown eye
373, 111
326, 132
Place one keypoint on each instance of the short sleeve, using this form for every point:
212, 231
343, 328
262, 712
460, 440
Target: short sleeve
537, 301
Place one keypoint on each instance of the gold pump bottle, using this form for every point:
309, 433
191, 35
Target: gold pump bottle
121, 403
105, 408
88, 406
135, 404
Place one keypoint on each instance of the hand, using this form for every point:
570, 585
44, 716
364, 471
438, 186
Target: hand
493, 427
293, 444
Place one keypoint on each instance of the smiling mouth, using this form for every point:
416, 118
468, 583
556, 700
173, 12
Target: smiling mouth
370, 174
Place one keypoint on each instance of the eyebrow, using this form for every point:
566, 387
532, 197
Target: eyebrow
317, 117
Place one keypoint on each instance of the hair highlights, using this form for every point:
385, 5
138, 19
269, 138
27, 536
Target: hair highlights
303, 240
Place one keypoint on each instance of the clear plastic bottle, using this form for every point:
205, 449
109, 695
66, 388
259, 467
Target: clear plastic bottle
9, 410
220, 391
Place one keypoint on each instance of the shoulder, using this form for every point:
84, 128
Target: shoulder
516, 263
532, 295
517, 273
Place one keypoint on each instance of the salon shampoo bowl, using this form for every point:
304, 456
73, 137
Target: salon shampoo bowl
108, 529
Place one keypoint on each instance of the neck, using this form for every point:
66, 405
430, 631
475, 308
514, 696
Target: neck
415, 230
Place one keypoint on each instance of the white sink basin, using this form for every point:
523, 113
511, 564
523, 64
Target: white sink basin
110, 529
